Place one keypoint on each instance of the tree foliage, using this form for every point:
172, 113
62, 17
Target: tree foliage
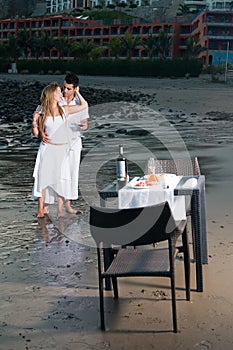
12, 49
62, 44
164, 44
82, 49
24, 42
151, 44
193, 48
115, 46
129, 43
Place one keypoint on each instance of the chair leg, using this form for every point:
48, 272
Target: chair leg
186, 263
174, 314
115, 287
101, 300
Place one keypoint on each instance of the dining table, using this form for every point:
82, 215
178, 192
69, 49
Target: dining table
180, 192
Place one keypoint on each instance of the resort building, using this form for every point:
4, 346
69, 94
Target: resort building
58, 6
219, 4
196, 5
54, 6
213, 30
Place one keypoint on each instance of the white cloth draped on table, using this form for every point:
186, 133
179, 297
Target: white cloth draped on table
132, 197
57, 163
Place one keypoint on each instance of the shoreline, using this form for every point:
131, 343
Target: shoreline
170, 93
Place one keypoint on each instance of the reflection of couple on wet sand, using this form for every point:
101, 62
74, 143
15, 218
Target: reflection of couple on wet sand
49, 231
56, 229
57, 164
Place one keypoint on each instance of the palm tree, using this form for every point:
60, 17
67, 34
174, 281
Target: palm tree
36, 47
2, 51
164, 44
62, 45
96, 53
115, 46
23, 41
12, 49
151, 45
46, 43
193, 48
82, 49
129, 43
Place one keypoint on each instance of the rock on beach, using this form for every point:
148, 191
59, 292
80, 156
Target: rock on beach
20, 98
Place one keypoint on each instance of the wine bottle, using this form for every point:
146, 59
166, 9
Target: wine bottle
121, 163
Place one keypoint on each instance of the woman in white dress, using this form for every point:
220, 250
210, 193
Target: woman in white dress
55, 173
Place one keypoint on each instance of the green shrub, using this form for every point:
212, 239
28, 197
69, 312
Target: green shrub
24, 71
57, 72
176, 67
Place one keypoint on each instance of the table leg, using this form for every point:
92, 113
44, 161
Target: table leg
203, 225
196, 223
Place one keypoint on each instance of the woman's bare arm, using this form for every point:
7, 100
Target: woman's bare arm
35, 126
77, 108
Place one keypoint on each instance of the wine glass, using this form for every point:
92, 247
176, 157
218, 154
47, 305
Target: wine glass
151, 166
39, 109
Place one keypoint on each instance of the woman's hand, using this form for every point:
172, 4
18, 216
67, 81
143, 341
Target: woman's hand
35, 125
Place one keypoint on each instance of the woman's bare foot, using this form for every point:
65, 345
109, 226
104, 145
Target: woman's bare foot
40, 214
71, 210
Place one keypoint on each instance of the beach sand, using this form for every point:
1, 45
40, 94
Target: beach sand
49, 293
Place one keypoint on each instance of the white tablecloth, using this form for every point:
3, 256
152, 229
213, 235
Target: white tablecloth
134, 197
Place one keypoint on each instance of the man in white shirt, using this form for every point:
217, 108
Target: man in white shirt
70, 86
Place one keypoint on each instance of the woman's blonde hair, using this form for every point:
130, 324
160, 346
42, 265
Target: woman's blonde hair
47, 99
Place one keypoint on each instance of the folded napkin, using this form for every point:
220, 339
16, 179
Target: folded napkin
190, 183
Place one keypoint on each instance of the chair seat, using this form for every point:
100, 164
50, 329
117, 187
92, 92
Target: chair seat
138, 262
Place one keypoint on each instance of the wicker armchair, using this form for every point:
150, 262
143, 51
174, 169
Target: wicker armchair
185, 166
121, 232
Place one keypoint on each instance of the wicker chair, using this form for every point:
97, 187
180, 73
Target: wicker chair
185, 167
128, 229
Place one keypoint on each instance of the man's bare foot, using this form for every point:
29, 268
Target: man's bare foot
46, 209
60, 214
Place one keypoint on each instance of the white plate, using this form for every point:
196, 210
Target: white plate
141, 187
142, 180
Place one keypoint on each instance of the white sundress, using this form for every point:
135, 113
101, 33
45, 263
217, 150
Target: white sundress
57, 163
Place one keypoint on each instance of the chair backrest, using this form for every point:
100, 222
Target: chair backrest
185, 166
135, 226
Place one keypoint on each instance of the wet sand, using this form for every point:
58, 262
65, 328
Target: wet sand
49, 295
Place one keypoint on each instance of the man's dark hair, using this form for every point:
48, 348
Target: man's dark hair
72, 78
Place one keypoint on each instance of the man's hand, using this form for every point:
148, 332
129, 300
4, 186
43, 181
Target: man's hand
45, 137
84, 125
